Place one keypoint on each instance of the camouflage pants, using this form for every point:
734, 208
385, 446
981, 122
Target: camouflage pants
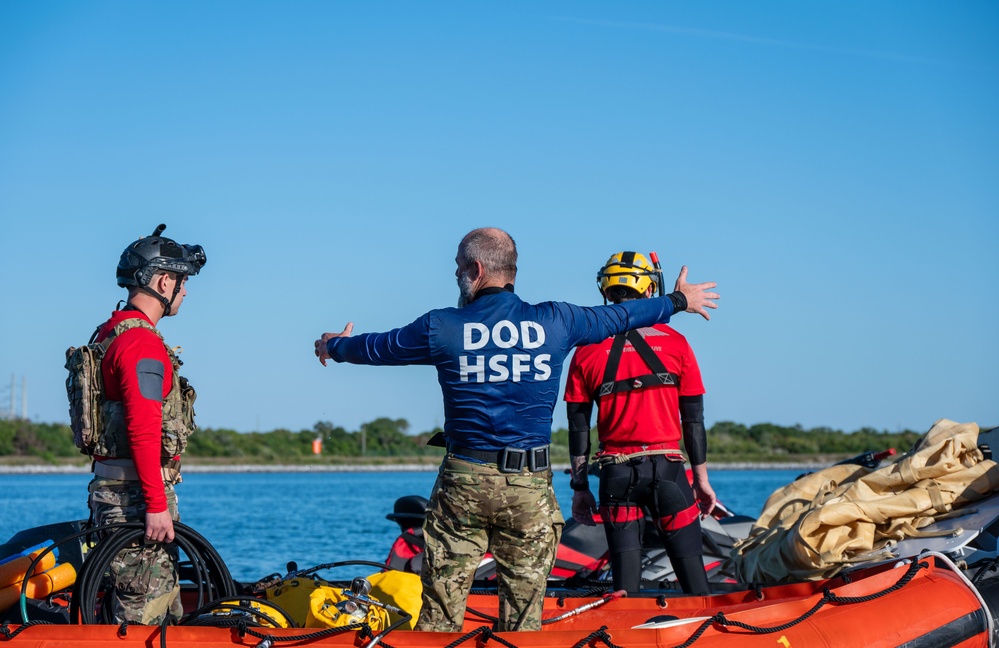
474, 508
147, 588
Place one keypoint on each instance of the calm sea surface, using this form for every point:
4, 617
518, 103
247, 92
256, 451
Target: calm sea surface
260, 521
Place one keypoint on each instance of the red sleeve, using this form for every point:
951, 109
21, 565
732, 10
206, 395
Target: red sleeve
690, 380
576, 390
143, 414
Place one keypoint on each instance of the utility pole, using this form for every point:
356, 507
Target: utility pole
24, 397
12, 410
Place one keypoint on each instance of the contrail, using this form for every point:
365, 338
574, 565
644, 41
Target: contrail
744, 38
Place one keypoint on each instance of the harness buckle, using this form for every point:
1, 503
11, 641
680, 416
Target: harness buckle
514, 460
511, 460
539, 459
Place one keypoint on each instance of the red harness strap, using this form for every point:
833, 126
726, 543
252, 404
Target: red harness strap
621, 513
679, 520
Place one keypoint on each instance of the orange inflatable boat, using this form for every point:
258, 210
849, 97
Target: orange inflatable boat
925, 602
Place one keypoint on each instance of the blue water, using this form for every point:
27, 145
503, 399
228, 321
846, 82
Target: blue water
259, 521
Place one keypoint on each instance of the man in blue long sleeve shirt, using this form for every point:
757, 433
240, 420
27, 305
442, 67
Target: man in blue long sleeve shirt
498, 362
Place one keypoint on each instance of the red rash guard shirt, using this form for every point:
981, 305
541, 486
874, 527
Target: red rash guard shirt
640, 416
143, 415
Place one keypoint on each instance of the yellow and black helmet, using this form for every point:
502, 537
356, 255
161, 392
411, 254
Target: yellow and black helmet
628, 270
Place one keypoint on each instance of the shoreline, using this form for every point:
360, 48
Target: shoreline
42, 469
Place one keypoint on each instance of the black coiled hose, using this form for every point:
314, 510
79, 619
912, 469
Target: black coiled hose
211, 576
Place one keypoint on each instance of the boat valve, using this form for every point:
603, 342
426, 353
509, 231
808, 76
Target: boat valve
358, 595
360, 586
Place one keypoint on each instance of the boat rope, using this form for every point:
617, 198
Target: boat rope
828, 596
985, 567
486, 633
7, 634
601, 634
243, 629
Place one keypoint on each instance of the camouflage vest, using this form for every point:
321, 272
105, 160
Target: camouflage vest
111, 434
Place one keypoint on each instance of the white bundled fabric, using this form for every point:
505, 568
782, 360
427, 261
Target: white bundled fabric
819, 524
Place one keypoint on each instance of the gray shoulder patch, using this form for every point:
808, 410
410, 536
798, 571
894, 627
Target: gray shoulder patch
150, 373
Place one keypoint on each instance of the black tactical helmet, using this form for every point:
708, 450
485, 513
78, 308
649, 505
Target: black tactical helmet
409, 510
150, 254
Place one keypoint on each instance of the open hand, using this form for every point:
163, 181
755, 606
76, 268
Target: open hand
698, 297
321, 344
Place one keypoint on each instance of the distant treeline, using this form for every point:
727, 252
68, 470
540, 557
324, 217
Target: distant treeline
385, 439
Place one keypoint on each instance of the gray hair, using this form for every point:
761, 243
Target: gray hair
493, 248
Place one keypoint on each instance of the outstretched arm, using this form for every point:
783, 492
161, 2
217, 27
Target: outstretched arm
407, 345
698, 296
322, 343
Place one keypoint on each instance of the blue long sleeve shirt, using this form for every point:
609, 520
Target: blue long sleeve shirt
498, 359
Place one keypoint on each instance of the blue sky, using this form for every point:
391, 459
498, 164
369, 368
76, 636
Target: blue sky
833, 166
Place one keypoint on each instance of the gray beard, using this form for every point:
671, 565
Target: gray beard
465, 294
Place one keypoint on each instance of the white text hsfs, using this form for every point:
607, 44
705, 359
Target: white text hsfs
499, 367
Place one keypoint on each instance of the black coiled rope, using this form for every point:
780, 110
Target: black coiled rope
211, 576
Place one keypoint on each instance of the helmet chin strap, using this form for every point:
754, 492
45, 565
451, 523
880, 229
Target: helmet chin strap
167, 304
163, 300
176, 291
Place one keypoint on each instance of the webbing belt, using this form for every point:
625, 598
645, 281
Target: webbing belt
124, 470
509, 460
658, 378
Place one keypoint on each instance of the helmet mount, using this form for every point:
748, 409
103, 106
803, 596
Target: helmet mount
147, 256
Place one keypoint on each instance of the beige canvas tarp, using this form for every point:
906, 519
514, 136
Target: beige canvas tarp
825, 521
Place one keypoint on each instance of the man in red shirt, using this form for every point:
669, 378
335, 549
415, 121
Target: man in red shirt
644, 381
148, 414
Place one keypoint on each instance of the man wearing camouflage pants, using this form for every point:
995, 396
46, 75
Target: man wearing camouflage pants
498, 362
148, 415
